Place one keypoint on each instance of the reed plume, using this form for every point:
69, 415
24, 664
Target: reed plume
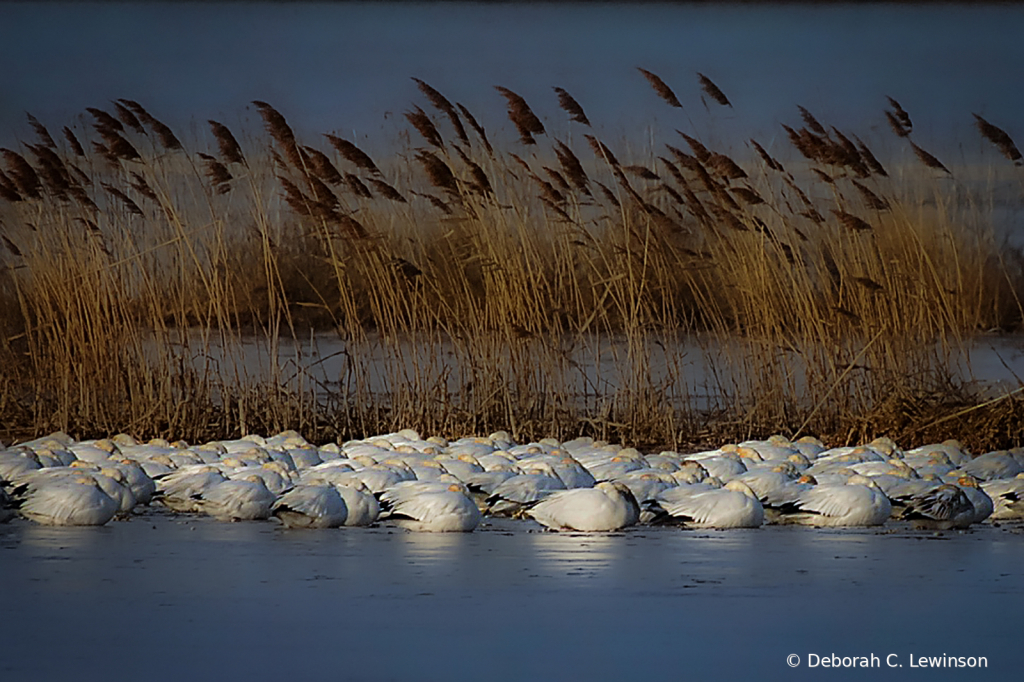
481, 184
356, 186
11, 246
54, 175
601, 151
41, 132
140, 185
571, 107
294, 197
609, 195
713, 91
477, 127
321, 166
851, 222
125, 200
438, 203
278, 128
438, 172
76, 146
929, 160
695, 205
659, 86
128, 118
21, 174
869, 159
357, 156
352, 227
870, 198
642, 172
118, 146
8, 190
901, 116
442, 104
229, 148
422, 123
896, 126
164, 135
725, 167
748, 195
217, 173
572, 167
811, 122
104, 121
768, 159
519, 112
699, 150
387, 191
557, 178
1000, 139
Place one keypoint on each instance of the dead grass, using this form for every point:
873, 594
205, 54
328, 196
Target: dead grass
548, 290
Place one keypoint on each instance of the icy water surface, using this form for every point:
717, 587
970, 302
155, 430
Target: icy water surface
175, 598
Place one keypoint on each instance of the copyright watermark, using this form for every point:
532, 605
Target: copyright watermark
888, 660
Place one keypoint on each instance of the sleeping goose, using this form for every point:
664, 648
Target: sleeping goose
607, 506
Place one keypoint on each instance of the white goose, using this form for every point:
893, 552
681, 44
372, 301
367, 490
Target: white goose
247, 499
858, 502
1007, 497
518, 492
181, 490
983, 504
430, 506
363, 508
311, 506
607, 506
734, 505
69, 501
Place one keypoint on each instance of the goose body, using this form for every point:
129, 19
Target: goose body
238, 500
71, 501
605, 507
858, 502
943, 508
421, 508
733, 506
311, 506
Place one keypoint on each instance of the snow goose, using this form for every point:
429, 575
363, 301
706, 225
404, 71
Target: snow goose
765, 481
993, 465
734, 505
607, 506
983, 505
74, 500
858, 502
942, 508
646, 484
427, 506
181, 490
363, 508
311, 506
1007, 497
247, 499
518, 492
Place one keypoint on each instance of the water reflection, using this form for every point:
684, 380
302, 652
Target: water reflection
577, 555
69, 540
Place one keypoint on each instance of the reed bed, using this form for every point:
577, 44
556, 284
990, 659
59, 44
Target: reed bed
558, 286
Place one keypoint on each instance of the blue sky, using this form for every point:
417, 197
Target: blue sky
347, 67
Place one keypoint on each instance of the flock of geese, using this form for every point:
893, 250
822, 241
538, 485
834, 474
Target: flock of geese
438, 485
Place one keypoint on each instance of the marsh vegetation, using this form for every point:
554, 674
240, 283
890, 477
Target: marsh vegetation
553, 284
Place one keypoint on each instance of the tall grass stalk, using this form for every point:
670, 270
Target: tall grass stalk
549, 289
